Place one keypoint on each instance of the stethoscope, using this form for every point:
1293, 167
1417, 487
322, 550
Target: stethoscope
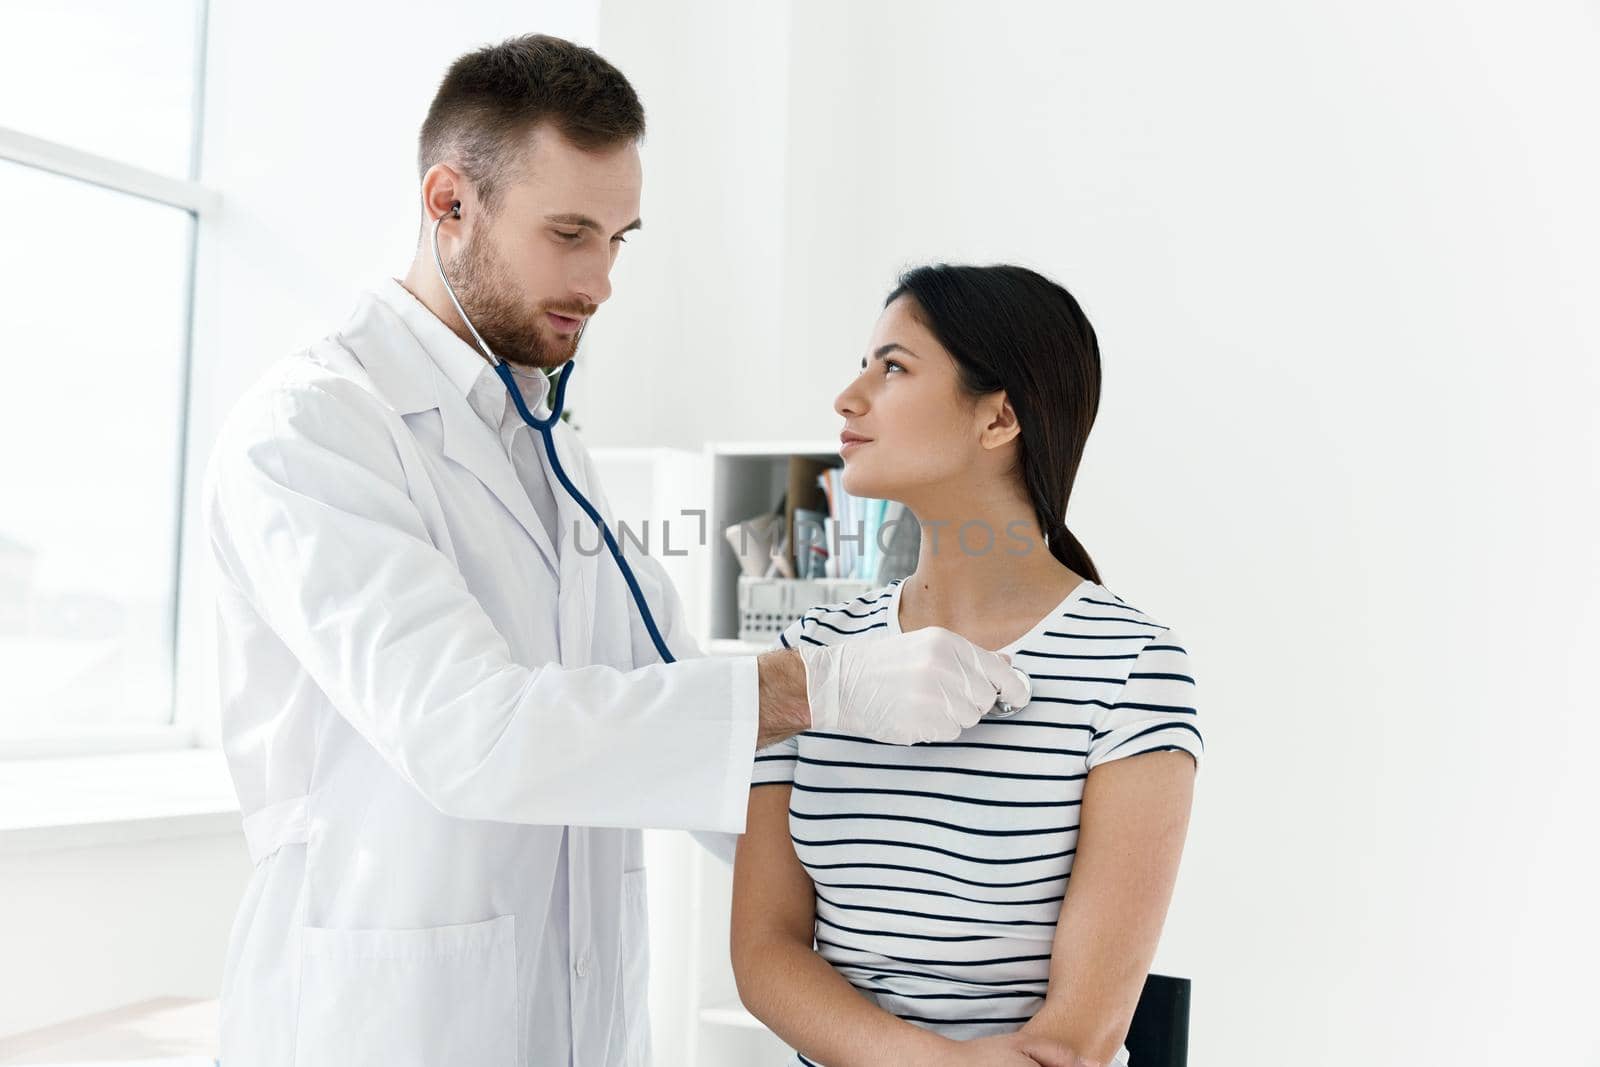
545, 426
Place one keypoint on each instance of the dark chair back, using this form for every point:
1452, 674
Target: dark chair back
1159, 1033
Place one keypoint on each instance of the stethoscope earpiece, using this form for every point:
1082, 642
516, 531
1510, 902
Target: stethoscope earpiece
455, 209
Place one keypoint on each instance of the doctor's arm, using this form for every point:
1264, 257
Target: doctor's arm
1133, 821
310, 519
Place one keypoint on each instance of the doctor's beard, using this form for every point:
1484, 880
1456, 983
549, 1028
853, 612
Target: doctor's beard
513, 330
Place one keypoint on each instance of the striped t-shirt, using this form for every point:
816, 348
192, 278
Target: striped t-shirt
940, 867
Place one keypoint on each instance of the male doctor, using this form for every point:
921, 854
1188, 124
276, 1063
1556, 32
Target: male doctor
444, 720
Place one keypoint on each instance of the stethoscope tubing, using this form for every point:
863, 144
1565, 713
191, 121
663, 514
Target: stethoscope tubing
546, 430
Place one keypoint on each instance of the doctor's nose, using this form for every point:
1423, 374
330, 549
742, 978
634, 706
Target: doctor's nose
593, 286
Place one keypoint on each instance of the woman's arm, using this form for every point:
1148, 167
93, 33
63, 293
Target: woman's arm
781, 979
1130, 837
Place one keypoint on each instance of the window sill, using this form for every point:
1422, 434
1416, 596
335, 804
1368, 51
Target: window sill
163, 1032
100, 741
121, 799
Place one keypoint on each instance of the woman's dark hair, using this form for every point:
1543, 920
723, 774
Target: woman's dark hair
1012, 328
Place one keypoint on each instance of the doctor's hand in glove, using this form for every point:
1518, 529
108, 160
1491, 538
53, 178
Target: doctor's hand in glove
926, 685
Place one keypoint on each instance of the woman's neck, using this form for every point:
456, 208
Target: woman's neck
982, 571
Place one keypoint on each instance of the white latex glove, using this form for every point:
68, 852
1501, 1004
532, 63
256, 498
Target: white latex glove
927, 685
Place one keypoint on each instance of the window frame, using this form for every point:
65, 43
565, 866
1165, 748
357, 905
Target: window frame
200, 203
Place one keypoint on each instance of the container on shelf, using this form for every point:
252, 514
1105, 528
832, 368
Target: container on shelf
768, 605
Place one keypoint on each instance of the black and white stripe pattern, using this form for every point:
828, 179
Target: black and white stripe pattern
940, 868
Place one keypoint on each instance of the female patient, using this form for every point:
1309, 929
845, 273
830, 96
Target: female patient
989, 900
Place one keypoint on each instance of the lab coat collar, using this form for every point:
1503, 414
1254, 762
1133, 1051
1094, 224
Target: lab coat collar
416, 362
460, 363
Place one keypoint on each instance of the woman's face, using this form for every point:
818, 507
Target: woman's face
925, 436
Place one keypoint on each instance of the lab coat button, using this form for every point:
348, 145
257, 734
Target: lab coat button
581, 967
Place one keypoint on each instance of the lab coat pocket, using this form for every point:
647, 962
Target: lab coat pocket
409, 998
635, 970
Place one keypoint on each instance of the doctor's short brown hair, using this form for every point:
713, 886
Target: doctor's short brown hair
491, 98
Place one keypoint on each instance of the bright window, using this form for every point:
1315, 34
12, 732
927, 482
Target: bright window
96, 134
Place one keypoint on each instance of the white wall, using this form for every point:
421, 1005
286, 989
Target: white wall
1339, 258
95, 928
693, 325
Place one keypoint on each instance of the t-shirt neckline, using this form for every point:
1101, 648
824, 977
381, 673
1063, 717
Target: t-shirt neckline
1078, 592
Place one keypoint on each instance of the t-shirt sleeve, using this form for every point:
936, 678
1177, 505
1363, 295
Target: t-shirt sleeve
1154, 711
774, 765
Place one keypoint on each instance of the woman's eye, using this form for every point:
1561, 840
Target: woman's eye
886, 365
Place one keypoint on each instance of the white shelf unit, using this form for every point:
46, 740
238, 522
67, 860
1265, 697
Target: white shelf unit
695, 1012
746, 480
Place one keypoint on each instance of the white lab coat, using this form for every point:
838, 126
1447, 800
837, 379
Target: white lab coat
422, 698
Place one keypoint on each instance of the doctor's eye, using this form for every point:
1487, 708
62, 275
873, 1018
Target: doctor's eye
619, 240
565, 236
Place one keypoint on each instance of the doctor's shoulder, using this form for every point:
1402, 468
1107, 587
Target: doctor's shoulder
307, 411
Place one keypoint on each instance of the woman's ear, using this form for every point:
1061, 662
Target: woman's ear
1000, 421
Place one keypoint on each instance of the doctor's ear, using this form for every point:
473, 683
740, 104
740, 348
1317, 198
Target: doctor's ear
444, 191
